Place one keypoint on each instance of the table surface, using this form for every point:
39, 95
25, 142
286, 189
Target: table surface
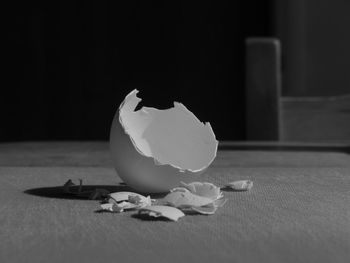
297, 211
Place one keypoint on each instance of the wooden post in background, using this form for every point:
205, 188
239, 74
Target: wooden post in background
263, 89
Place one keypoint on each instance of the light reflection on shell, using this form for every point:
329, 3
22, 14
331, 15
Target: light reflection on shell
133, 149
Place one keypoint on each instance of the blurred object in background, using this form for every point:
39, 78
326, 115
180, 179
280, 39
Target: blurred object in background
307, 96
69, 66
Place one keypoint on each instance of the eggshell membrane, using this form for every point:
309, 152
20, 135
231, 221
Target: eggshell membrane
154, 150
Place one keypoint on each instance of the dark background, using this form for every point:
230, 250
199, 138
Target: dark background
68, 66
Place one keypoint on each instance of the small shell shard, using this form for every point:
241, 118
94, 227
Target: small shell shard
219, 202
203, 198
135, 199
168, 212
130, 197
67, 185
204, 189
71, 188
242, 185
107, 207
190, 187
120, 201
184, 198
205, 210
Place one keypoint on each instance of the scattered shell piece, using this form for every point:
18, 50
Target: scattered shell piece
205, 210
203, 198
80, 186
107, 207
120, 201
168, 212
219, 202
126, 196
77, 190
67, 185
182, 198
208, 209
204, 189
242, 185
71, 188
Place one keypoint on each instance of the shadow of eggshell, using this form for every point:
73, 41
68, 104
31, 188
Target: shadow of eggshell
153, 150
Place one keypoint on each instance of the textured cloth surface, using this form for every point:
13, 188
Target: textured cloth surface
297, 211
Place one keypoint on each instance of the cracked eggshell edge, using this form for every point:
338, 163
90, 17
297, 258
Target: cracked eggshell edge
129, 162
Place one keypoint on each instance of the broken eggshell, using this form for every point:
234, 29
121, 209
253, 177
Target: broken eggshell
209, 209
204, 189
242, 185
96, 194
168, 212
120, 201
200, 197
129, 196
153, 150
205, 210
182, 198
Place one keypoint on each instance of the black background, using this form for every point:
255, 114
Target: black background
68, 66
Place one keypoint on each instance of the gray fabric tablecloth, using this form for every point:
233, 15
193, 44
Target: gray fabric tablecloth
297, 211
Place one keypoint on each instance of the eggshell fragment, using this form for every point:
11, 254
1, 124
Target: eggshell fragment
181, 197
209, 209
129, 196
67, 185
205, 210
120, 201
109, 207
203, 198
219, 202
168, 212
242, 185
204, 189
71, 188
153, 150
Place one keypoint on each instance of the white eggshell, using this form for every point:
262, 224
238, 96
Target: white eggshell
179, 198
242, 185
169, 212
204, 189
154, 150
124, 196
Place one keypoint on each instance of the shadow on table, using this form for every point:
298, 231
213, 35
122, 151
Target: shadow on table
142, 217
145, 217
57, 191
